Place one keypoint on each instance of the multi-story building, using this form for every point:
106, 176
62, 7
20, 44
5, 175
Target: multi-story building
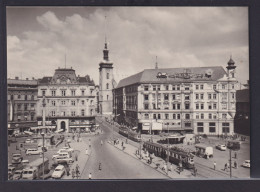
201, 100
106, 84
22, 99
66, 102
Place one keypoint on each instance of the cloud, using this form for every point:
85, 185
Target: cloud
179, 36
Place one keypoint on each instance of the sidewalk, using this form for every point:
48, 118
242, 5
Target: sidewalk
131, 150
80, 150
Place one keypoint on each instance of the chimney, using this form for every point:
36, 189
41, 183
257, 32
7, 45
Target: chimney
16, 78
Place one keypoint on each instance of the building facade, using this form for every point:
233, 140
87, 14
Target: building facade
200, 100
22, 100
66, 102
106, 84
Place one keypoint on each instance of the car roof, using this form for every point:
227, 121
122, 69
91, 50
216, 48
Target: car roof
60, 167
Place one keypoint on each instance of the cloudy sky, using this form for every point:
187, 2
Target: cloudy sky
38, 39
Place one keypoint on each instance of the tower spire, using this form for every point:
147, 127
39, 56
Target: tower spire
156, 64
105, 51
65, 61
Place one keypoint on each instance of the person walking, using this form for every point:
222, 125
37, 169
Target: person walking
101, 143
225, 167
73, 173
89, 176
214, 164
235, 164
86, 151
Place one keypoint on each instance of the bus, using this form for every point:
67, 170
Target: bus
233, 145
34, 170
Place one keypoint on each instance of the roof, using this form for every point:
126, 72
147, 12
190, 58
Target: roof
242, 95
175, 75
21, 82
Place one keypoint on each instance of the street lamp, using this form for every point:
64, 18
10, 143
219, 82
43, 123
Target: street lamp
42, 134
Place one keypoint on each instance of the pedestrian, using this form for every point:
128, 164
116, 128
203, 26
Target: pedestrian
89, 176
235, 164
68, 170
215, 164
99, 166
235, 155
73, 173
195, 172
225, 167
86, 151
165, 167
101, 142
76, 157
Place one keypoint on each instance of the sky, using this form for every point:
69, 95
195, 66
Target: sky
38, 38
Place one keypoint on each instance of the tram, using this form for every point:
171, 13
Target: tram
129, 134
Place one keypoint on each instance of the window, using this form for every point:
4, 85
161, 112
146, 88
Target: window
32, 116
197, 116
173, 106
202, 96
233, 86
174, 116
214, 96
212, 127
32, 97
178, 87
210, 116
154, 116
63, 93
187, 124
200, 127
178, 116
197, 86
53, 93
146, 106
19, 106
209, 96
146, 97
173, 87
73, 103
107, 75
91, 102
224, 106
187, 116
224, 116
214, 86
197, 96
82, 92
201, 86
166, 97
214, 105
73, 113
224, 96
43, 92
53, 103
72, 92
146, 116
178, 106
154, 88
187, 106
223, 86
146, 87
159, 116
158, 88
82, 102
201, 106
166, 116
214, 116
82, 112
53, 113
25, 106
233, 95
202, 116
25, 97
187, 97
210, 106
167, 87
187, 88
154, 106
173, 97
63, 113
107, 86
197, 106
225, 127
63, 102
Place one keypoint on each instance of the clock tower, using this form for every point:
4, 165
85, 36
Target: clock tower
106, 83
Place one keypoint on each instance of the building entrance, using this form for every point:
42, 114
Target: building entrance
63, 126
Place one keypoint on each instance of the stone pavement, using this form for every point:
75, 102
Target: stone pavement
157, 163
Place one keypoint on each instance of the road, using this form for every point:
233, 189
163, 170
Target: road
114, 163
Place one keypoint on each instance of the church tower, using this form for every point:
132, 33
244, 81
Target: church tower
106, 83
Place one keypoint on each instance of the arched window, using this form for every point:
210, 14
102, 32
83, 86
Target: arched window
107, 86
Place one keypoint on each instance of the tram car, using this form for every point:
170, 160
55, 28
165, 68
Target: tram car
129, 134
175, 156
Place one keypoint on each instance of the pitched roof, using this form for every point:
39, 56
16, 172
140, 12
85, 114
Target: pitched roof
242, 95
175, 75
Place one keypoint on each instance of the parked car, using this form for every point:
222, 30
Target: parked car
62, 154
59, 160
68, 149
17, 158
221, 147
246, 164
18, 174
28, 141
11, 171
58, 172
33, 152
25, 162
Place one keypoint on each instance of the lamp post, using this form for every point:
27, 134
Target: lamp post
167, 149
42, 134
